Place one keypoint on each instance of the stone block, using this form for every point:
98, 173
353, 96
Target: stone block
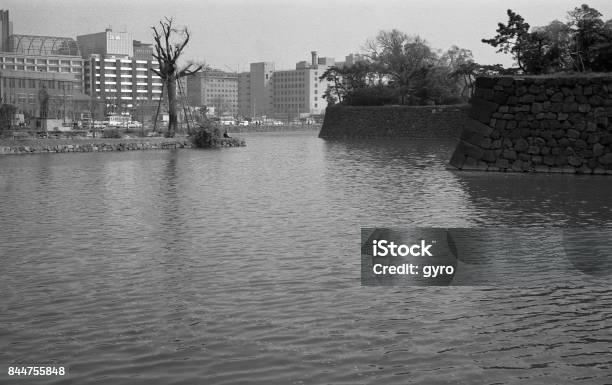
527, 99
517, 166
489, 156
605, 159
485, 82
575, 161
509, 154
482, 110
571, 133
475, 126
521, 145
533, 150
502, 163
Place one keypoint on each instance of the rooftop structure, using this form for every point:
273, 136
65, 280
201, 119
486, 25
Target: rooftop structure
107, 43
43, 45
6, 29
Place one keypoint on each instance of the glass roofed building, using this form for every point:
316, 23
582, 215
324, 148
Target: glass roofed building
43, 45
30, 63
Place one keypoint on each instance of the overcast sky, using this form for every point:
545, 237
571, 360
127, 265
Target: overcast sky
230, 34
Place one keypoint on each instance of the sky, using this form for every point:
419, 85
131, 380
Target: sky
230, 34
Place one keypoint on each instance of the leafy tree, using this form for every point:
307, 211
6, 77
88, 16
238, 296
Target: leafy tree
406, 60
167, 54
591, 39
559, 40
512, 37
346, 79
584, 43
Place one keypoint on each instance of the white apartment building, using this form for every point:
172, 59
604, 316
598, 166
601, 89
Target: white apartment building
284, 94
114, 76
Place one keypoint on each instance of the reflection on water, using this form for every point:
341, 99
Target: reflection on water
242, 265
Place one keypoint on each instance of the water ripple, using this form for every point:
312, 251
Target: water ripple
242, 266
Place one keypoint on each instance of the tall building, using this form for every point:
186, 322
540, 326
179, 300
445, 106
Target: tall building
216, 89
6, 30
284, 94
245, 108
262, 90
119, 72
299, 92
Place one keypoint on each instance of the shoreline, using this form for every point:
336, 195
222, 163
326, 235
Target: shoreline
43, 146
271, 128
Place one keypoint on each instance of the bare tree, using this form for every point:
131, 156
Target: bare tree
167, 55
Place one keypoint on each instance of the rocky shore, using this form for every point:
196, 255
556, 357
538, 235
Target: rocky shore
37, 146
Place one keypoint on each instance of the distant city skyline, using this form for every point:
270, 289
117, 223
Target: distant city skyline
231, 34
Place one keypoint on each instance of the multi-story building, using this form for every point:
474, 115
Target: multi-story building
352, 59
107, 43
284, 94
143, 51
119, 72
216, 89
262, 89
299, 92
31, 66
23, 89
245, 108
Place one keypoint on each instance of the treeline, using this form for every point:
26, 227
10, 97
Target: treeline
583, 43
400, 69
403, 69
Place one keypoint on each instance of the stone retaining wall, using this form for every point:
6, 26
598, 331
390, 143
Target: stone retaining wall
541, 124
45, 147
414, 122
271, 128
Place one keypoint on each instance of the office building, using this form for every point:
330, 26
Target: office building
245, 108
118, 73
143, 51
284, 94
299, 92
31, 65
108, 43
262, 89
216, 89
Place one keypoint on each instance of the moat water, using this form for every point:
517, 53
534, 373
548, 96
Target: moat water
242, 266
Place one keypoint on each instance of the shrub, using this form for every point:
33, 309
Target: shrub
204, 135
